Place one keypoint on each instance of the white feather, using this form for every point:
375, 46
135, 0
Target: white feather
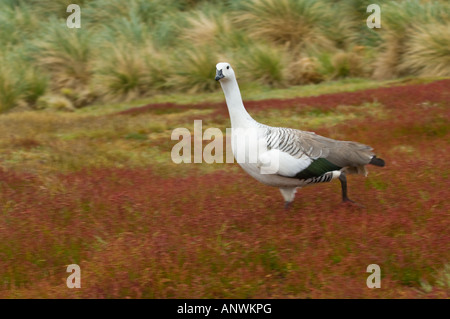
282, 163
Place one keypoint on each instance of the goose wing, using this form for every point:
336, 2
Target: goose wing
305, 155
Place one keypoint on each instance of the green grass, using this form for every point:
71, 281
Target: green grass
143, 49
315, 118
59, 141
54, 141
252, 92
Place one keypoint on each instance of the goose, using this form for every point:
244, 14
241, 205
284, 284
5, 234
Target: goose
289, 158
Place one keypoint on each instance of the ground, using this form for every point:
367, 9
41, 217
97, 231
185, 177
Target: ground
97, 188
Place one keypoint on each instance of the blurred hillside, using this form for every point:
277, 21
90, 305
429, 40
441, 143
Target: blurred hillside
131, 49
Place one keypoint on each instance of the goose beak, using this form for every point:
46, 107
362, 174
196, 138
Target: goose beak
219, 75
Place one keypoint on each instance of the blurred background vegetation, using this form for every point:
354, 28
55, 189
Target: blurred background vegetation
133, 49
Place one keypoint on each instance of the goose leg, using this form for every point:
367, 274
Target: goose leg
288, 195
343, 180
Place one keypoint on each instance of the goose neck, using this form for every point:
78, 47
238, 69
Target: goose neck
238, 114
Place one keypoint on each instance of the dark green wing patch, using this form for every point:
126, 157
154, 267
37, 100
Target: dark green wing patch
317, 168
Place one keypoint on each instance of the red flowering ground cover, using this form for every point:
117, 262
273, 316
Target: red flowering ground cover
395, 97
223, 235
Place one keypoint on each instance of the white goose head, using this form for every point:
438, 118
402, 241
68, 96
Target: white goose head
224, 72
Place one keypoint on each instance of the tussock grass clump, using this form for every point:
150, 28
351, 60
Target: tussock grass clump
35, 84
124, 72
342, 64
55, 103
264, 64
295, 23
402, 23
203, 28
121, 72
130, 29
194, 70
348, 64
18, 22
428, 51
303, 71
66, 54
212, 25
20, 82
10, 91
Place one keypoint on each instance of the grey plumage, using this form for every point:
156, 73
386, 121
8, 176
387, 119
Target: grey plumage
351, 156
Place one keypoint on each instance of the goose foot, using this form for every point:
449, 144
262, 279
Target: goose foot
352, 202
345, 199
287, 205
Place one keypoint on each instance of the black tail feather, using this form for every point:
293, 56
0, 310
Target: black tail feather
377, 161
